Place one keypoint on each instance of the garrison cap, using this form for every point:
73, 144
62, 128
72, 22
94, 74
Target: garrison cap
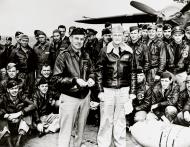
151, 27
18, 33
41, 33
166, 75
11, 65
106, 31
178, 29
42, 81
23, 36
11, 84
91, 31
133, 28
107, 24
144, 27
36, 33
9, 38
167, 26
139, 70
78, 31
159, 26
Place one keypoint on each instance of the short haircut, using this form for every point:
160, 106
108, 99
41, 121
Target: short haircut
11, 65
56, 31
62, 26
46, 65
107, 24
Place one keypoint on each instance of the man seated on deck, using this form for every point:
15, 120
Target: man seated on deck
45, 100
12, 73
183, 105
139, 111
15, 110
162, 99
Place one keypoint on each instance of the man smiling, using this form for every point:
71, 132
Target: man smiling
74, 76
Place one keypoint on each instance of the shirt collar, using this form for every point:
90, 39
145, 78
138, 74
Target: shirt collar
123, 46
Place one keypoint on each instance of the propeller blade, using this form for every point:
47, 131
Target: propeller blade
143, 7
185, 8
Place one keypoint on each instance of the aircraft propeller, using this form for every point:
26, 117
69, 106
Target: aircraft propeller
167, 14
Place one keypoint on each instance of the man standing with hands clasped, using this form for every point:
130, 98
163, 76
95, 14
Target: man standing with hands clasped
73, 74
116, 80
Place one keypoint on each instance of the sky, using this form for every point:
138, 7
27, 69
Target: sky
46, 15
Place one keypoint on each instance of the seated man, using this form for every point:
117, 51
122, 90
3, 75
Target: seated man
183, 117
162, 99
45, 101
45, 72
13, 74
15, 111
139, 110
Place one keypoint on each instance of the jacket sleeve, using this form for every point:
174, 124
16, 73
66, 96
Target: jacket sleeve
172, 98
145, 58
58, 77
29, 105
2, 107
133, 76
187, 106
147, 101
36, 113
187, 60
99, 70
91, 73
162, 58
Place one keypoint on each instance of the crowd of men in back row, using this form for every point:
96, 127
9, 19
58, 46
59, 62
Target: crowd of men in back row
49, 87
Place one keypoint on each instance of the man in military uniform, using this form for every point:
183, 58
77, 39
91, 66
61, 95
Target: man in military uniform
64, 38
140, 50
116, 80
161, 99
25, 59
15, 112
8, 46
179, 56
157, 56
106, 38
139, 109
71, 28
17, 38
42, 51
183, 105
144, 34
73, 74
159, 31
187, 33
167, 38
55, 47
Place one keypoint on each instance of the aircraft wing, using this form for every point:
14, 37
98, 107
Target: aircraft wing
134, 18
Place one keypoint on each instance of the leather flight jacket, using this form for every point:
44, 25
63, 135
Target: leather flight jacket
116, 71
68, 67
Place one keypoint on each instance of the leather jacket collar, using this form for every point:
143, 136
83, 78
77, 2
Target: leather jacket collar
123, 46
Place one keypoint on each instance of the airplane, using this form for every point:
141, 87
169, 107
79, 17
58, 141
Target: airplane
171, 14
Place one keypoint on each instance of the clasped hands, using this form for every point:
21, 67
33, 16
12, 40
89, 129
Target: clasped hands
83, 83
14, 117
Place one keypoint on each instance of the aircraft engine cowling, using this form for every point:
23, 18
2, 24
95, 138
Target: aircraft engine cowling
160, 134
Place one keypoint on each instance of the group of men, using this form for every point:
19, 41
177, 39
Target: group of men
136, 75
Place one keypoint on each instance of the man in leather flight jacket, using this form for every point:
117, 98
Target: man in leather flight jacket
73, 74
116, 78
